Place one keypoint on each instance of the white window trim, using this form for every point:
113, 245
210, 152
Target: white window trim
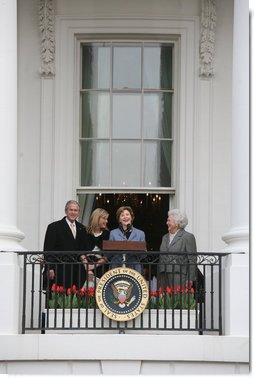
65, 167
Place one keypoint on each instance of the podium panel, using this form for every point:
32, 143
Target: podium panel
124, 245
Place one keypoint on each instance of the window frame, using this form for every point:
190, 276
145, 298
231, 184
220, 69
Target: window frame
60, 163
142, 39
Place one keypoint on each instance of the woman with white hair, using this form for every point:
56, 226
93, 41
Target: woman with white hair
176, 270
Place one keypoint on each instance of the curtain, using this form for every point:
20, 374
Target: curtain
166, 104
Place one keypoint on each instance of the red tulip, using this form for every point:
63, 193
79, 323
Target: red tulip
169, 290
74, 288
60, 289
91, 291
82, 291
160, 290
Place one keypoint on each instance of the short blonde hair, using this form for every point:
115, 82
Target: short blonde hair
121, 209
94, 219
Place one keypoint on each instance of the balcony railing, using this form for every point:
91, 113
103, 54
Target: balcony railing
68, 302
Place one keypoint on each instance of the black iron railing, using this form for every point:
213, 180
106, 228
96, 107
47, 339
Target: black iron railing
185, 293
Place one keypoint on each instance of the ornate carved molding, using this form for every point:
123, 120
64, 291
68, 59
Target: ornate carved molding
207, 38
47, 29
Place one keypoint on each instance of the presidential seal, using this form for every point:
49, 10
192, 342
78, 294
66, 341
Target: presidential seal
122, 294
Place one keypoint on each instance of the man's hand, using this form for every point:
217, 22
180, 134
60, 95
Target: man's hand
51, 274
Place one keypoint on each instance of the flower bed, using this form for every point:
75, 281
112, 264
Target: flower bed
171, 298
72, 297
76, 309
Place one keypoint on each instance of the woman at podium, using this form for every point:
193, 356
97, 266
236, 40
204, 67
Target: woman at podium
127, 232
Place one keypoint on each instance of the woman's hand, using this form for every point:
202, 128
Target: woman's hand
101, 261
88, 266
83, 259
85, 263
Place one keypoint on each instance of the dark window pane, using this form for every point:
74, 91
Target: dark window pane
157, 115
150, 212
158, 67
95, 121
157, 163
94, 163
95, 66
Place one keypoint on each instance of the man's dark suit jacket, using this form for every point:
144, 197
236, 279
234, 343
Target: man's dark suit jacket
60, 238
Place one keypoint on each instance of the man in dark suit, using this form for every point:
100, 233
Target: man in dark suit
177, 270
66, 234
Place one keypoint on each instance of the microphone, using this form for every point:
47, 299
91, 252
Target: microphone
129, 227
127, 230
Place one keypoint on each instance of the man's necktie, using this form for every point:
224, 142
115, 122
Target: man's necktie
73, 229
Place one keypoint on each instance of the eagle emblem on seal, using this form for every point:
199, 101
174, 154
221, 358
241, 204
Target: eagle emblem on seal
122, 293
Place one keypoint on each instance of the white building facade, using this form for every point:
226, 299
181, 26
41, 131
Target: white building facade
40, 169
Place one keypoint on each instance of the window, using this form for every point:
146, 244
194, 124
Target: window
126, 108
126, 115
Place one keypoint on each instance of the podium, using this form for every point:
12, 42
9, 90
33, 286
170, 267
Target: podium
127, 248
124, 245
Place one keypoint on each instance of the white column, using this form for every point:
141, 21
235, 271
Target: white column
238, 237
11, 293
10, 236
237, 266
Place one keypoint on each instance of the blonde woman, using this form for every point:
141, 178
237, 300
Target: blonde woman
97, 232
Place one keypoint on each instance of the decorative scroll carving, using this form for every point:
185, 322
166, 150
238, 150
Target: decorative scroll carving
207, 37
46, 9
68, 257
34, 258
210, 259
196, 259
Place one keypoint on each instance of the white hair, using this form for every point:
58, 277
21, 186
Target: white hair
179, 217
